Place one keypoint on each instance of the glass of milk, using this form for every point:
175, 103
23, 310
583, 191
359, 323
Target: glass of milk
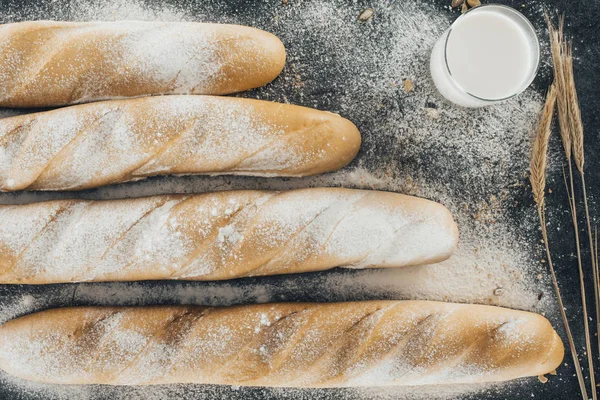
489, 54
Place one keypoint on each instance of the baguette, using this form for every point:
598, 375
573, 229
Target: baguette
222, 235
50, 63
91, 145
372, 343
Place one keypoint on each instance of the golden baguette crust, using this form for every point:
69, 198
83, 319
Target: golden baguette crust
50, 63
221, 235
374, 343
103, 143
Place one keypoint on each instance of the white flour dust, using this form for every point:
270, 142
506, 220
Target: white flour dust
472, 161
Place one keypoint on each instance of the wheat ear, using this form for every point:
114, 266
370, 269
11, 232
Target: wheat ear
539, 154
575, 121
556, 45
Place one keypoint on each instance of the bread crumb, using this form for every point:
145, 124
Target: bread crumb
366, 15
432, 113
542, 379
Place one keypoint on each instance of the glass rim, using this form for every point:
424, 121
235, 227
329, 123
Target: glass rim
537, 50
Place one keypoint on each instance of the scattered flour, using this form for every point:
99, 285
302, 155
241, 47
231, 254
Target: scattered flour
473, 161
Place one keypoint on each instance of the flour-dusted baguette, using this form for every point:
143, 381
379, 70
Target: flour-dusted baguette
102, 143
222, 235
49, 63
373, 343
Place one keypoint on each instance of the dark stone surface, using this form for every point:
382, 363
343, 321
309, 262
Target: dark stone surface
583, 24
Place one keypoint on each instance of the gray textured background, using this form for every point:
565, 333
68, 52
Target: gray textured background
323, 87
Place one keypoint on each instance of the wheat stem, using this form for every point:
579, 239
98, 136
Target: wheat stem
576, 126
596, 260
586, 326
595, 272
571, 132
561, 306
596, 231
567, 187
538, 164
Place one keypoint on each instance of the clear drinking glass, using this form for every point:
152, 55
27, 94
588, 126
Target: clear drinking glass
489, 54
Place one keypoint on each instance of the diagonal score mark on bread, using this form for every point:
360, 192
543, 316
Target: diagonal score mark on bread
159, 152
249, 345
208, 239
36, 68
282, 249
285, 245
173, 202
162, 332
79, 136
335, 349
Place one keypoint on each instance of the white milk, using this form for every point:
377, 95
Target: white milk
489, 54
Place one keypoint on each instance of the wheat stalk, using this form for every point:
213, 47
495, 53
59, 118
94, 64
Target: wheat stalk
577, 139
596, 229
576, 126
595, 270
571, 197
538, 165
571, 132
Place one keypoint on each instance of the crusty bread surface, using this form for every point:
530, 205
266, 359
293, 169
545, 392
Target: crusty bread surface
373, 343
91, 145
51, 63
220, 235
